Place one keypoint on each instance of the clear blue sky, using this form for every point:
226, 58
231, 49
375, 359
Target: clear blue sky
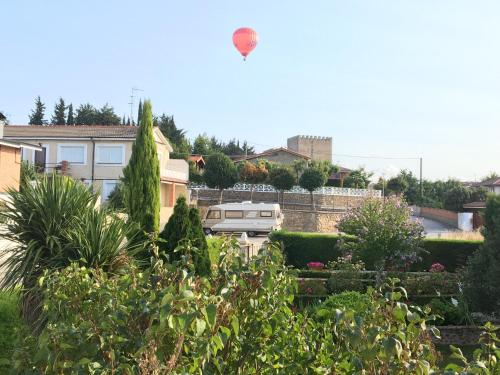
389, 78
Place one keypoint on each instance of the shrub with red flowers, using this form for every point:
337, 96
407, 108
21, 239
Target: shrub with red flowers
436, 267
315, 265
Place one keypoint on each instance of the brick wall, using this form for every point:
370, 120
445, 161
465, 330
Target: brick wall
443, 216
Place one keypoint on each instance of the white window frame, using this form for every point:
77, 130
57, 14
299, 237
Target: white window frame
97, 154
59, 158
104, 182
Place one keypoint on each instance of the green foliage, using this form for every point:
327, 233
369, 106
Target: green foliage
166, 320
215, 244
386, 236
37, 114
312, 179
483, 271
177, 228
71, 116
301, 248
358, 179
452, 254
448, 311
195, 175
220, 172
176, 136
313, 287
139, 113
51, 224
455, 198
28, 173
141, 188
352, 301
87, 114
349, 280
201, 257
115, 199
183, 235
10, 326
59, 116
281, 178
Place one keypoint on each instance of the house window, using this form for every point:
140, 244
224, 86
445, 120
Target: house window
213, 215
72, 153
107, 188
110, 154
266, 213
234, 214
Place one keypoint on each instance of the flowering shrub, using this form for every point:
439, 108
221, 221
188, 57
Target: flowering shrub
436, 267
315, 265
386, 236
346, 263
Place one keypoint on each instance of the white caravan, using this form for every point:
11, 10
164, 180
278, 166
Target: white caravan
252, 218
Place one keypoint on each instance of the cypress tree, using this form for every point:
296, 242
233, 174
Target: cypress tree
139, 112
142, 177
177, 227
71, 115
37, 114
201, 259
128, 121
59, 116
123, 120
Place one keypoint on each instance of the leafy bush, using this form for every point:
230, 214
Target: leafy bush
483, 271
300, 248
449, 312
167, 320
10, 325
314, 287
386, 236
352, 301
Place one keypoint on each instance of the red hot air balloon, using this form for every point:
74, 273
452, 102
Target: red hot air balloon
245, 40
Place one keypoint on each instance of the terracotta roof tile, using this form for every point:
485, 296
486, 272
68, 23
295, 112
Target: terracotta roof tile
63, 131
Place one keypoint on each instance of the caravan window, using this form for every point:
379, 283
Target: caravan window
213, 215
234, 214
266, 213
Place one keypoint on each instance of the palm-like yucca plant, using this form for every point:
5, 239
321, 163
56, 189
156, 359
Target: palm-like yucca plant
52, 223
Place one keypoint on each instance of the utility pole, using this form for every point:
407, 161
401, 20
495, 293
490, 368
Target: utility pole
132, 96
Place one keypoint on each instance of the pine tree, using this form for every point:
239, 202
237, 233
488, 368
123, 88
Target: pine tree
139, 113
71, 116
59, 116
142, 177
37, 114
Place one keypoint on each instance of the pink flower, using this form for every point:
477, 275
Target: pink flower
436, 267
315, 265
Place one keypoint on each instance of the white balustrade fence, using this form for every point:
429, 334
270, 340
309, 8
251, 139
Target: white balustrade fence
326, 190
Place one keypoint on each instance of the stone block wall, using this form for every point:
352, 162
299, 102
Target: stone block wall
311, 221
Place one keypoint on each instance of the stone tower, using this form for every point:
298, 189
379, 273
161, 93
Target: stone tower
318, 148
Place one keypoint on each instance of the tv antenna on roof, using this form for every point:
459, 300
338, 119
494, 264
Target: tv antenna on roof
132, 96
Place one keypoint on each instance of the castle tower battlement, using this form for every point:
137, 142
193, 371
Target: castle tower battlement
316, 147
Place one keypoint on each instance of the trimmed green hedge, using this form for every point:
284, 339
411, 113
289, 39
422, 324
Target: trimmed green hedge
301, 248
452, 254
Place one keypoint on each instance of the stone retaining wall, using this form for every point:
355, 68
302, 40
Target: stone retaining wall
458, 335
207, 197
311, 221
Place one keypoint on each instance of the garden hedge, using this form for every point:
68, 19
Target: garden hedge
301, 248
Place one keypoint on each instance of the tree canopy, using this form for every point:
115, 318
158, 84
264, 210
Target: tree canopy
38, 113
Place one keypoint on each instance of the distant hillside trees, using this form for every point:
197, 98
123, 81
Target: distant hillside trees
38, 113
220, 173
59, 116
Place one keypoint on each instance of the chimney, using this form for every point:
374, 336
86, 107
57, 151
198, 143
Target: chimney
2, 124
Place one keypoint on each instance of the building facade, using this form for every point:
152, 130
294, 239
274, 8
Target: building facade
96, 155
317, 148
